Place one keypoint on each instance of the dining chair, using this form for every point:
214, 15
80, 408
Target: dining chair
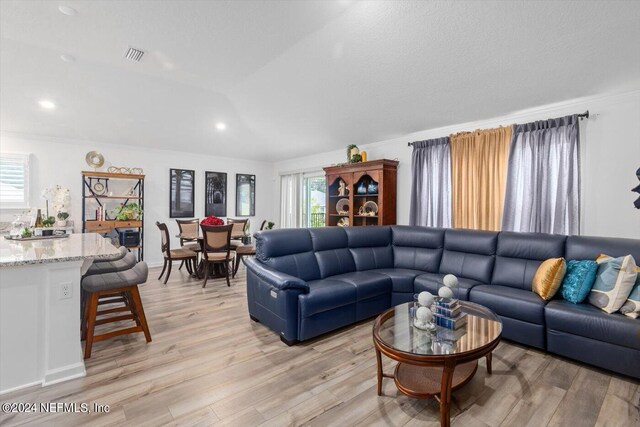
238, 230
216, 249
186, 255
189, 229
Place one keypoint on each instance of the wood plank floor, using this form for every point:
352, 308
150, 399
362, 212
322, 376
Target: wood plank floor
209, 364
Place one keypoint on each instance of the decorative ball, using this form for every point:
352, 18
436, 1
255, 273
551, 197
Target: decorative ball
425, 299
450, 280
445, 292
424, 315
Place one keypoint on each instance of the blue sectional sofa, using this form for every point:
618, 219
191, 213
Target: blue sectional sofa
306, 282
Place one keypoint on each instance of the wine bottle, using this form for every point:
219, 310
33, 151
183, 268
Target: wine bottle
39, 223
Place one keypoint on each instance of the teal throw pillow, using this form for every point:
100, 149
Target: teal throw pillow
578, 281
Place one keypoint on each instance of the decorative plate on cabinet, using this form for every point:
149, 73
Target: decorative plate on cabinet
370, 208
342, 207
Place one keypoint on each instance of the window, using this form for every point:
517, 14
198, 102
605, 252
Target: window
14, 181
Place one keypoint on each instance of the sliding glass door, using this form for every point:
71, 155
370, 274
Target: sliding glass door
313, 200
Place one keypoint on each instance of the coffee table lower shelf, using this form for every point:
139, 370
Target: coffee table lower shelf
425, 382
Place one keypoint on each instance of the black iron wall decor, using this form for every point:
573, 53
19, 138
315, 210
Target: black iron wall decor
215, 194
636, 203
245, 195
181, 193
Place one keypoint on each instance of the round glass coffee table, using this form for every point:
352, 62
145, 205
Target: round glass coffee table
432, 364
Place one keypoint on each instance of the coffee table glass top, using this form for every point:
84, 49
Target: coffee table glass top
396, 331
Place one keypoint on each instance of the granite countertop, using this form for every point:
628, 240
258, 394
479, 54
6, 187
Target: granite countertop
76, 247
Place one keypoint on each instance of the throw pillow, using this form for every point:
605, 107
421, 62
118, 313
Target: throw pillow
614, 282
578, 281
631, 307
548, 277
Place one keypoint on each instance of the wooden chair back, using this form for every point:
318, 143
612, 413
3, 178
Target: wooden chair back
165, 241
238, 227
216, 238
188, 229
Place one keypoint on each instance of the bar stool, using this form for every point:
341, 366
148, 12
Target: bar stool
118, 286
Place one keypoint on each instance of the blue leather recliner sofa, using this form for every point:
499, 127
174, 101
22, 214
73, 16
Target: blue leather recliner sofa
306, 282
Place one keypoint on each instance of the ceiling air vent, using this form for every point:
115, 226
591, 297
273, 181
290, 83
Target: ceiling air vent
134, 54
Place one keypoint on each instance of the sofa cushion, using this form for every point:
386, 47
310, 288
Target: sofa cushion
588, 321
332, 255
431, 282
401, 278
469, 254
366, 283
510, 302
370, 247
548, 277
579, 279
519, 255
614, 282
585, 247
326, 294
289, 251
417, 248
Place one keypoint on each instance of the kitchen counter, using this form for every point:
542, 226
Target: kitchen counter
73, 248
40, 308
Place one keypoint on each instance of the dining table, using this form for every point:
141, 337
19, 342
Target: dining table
218, 271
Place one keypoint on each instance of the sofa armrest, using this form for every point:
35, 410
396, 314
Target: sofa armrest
275, 278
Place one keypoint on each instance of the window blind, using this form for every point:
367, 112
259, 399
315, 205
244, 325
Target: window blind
14, 181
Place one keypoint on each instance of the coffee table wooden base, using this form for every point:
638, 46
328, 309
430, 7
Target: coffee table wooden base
424, 382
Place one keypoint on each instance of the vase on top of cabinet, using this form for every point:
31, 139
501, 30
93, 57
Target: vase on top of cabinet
371, 195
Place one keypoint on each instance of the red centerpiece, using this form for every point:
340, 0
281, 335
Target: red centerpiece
212, 220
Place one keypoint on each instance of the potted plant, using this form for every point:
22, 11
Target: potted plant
47, 223
62, 219
130, 211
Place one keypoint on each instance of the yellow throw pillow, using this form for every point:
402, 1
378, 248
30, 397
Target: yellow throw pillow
548, 277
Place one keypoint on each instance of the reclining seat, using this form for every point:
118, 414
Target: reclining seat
469, 255
284, 264
586, 333
509, 295
359, 251
416, 250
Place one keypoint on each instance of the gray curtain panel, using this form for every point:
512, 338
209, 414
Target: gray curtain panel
431, 183
543, 190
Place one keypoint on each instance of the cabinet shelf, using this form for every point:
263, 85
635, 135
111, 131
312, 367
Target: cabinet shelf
111, 227
113, 197
381, 172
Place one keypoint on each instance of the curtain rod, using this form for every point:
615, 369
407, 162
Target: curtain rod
582, 116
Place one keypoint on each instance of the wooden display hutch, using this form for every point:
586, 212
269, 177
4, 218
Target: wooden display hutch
369, 184
92, 199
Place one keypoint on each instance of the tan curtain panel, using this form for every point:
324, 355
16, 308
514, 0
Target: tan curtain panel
478, 177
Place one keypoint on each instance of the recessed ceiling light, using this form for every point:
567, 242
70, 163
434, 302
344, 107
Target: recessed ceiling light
67, 10
46, 104
67, 58
221, 126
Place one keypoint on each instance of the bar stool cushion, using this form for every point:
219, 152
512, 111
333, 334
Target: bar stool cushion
118, 279
125, 263
123, 252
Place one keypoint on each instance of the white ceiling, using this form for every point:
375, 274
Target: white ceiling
293, 78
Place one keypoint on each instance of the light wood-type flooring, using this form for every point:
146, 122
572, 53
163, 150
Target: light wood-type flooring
209, 364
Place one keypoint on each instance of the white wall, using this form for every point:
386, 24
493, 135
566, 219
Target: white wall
610, 155
56, 161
